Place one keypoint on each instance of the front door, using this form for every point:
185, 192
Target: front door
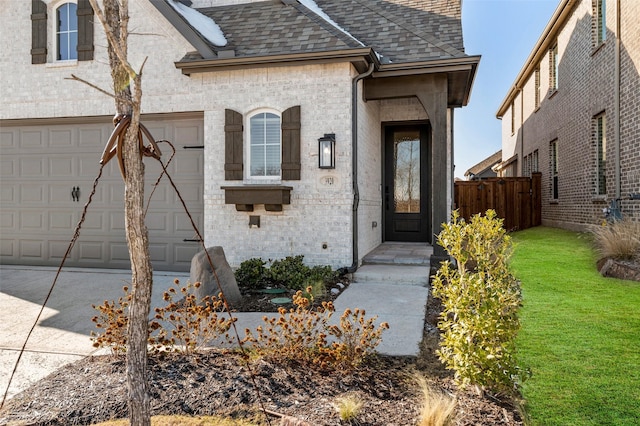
406, 184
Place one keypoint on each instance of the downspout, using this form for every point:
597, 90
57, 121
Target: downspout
617, 104
354, 165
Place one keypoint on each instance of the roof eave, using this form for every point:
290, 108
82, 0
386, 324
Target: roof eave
359, 57
540, 49
461, 74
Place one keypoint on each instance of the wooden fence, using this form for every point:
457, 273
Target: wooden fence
515, 199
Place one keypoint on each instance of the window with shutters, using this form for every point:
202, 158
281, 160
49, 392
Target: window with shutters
61, 31
262, 145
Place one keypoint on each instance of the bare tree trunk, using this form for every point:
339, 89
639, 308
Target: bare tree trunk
115, 22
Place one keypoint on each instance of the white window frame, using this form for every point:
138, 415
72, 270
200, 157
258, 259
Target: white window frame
248, 144
554, 171
53, 40
600, 24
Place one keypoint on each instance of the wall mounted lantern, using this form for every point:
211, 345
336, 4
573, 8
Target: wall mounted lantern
327, 151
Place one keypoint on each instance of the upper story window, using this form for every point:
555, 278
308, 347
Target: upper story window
61, 31
513, 117
265, 145
537, 86
599, 21
553, 68
67, 32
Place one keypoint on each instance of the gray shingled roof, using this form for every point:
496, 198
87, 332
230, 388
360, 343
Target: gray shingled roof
485, 164
398, 30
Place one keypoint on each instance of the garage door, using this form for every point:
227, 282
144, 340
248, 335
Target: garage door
47, 173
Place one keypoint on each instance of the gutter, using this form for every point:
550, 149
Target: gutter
354, 166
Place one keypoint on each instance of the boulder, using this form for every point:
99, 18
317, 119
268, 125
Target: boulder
201, 272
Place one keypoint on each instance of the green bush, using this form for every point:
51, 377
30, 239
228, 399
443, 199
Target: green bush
252, 274
481, 298
290, 272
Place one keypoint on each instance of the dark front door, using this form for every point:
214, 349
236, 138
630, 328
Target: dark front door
406, 184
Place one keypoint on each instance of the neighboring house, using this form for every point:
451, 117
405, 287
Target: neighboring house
483, 169
302, 128
573, 113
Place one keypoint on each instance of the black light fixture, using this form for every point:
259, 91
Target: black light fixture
327, 151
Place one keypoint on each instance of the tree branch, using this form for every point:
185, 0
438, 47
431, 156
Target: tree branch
99, 89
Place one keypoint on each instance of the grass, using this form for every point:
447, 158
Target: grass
580, 333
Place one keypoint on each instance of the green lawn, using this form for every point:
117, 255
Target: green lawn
580, 333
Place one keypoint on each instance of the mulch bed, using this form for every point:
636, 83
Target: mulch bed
217, 382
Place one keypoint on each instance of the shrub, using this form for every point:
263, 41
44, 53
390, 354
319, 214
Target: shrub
436, 408
301, 335
252, 274
194, 325
618, 240
480, 297
290, 272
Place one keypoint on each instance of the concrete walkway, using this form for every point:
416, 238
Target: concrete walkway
63, 333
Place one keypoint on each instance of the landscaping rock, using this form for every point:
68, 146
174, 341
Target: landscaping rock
201, 272
619, 269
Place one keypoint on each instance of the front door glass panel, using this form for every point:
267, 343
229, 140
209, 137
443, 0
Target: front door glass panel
406, 172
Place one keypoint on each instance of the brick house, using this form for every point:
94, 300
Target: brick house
297, 124
573, 113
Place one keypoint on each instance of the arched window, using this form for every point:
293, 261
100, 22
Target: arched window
265, 145
67, 32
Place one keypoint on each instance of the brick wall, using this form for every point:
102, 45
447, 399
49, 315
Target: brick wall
585, 89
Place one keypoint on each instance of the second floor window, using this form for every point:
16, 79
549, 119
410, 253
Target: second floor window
537, 86
264, 147
553, 68
600, 20
66, 32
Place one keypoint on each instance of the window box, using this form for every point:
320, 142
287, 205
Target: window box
244, 197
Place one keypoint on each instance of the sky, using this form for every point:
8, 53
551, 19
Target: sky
504, 33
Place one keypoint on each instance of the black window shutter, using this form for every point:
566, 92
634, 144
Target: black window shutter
291, 143
233, 145
85, 30
38, 32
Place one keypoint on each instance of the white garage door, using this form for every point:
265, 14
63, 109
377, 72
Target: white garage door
47, 173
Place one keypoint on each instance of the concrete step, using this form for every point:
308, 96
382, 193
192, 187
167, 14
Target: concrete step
393, 274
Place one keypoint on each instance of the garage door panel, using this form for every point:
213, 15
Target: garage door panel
7, 195
95, 221
7, 222
119, 251
93, 140
157, 221
90, 251
32, 193
116, 221
62, 167
58, 248
32, 221
8, 248
8, 167
183, 253
62, 221
61, 138
159, 252
32, 249
32, 167
182, 224
32, 139
8, 141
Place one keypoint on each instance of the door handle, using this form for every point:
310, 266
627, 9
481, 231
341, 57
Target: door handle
75, 194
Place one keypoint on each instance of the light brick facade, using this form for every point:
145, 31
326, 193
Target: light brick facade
318, 221
566, 116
